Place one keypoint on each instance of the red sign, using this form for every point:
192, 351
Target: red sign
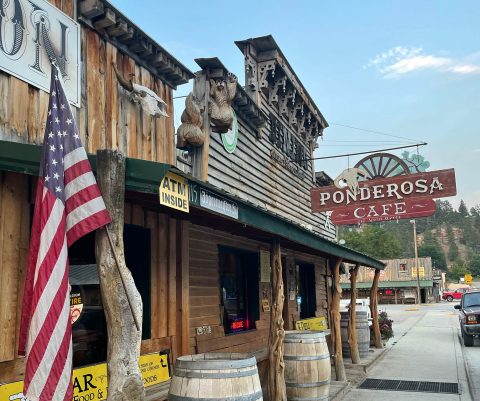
383, 211
429, 185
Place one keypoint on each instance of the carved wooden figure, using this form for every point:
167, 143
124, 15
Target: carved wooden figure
222, 92
190, 131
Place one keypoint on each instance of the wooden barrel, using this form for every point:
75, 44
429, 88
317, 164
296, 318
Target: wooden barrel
363, 333
215, 376
307, 366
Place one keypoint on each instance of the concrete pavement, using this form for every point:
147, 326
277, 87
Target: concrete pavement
425, 348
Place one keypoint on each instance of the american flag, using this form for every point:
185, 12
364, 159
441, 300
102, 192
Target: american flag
68, 205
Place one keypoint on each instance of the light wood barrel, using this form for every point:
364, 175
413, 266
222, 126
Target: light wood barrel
363, 333
307, 366
215, 377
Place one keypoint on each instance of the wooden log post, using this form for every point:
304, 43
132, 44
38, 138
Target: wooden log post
352, 325
124, 377
336, 333
276, 380
374, 310
201, 90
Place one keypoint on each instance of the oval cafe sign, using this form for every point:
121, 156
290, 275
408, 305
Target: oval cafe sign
386, 198
230, 138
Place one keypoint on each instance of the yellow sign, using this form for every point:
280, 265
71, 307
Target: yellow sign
314, 323
468, 279
421, 272
173, 192
90, 382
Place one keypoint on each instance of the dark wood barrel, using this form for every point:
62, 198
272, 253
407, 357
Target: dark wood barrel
307, 366
215, 376
363, 333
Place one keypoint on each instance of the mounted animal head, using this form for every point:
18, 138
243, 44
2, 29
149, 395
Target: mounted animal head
350, 177
151, 103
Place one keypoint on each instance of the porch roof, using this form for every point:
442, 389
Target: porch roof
144, 176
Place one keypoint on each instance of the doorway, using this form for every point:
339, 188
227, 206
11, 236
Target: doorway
306, 290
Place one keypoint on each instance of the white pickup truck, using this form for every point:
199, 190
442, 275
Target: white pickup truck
362, 304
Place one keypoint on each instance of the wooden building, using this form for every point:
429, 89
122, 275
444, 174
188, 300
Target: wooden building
398, 282
204, 276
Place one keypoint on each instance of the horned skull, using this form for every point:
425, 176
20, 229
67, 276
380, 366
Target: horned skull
151, 103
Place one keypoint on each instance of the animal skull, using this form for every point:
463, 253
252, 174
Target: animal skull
151, 103
350, 176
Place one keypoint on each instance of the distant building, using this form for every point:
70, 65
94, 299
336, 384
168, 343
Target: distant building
398, 282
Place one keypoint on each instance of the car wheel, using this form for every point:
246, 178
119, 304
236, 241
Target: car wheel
467, 339
449, 298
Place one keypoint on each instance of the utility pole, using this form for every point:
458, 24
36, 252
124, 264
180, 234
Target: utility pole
419, 298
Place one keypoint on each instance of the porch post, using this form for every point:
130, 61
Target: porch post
276, 381
352, 328
374, 309
335, 313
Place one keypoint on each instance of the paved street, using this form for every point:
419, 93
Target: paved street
426, 347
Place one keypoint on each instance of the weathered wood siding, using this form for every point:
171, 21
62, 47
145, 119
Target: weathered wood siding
205, 294
392, 271
107, 117
251, 174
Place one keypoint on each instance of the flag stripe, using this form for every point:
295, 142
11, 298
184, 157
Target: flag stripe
77, 169
82, 196
49, 230
82, 212
74, 157
82, 181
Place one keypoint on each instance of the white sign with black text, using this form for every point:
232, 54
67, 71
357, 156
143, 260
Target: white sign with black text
33, 32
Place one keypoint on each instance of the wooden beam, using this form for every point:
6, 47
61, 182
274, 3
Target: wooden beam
352, 328
336, 334
374, 310
183, 299
276, 381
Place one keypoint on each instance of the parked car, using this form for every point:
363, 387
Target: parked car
469, 316
457, 294
362, 304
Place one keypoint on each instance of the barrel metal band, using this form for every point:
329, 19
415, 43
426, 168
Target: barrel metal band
200, 375
324, 397
220, 364
307, 385
249, 397
305, 358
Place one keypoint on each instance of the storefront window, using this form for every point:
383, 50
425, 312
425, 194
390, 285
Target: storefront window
403, 268
239, 289
89, 328
306, 299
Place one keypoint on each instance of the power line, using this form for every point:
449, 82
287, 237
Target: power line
371, 151
373, 131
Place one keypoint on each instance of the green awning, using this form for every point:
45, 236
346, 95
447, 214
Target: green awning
145, 176
391, 284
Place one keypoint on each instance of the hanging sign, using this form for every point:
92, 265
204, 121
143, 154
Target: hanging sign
90, 382
76, 304
173, 192
230, 138
31, 33
421, 272
384, 211
428, 185
218, 204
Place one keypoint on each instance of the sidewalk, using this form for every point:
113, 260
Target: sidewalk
425, 348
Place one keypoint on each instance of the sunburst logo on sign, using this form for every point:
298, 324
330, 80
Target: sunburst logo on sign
230, 138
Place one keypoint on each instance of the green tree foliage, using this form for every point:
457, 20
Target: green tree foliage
457, 270
474, 265
375, 241
436, 253
462, 209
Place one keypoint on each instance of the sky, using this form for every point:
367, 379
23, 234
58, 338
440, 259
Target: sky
406, 68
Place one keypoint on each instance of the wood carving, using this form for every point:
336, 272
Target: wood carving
151, 103
190, 131
222, 92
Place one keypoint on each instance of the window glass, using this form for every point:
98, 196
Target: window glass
403, 268
238, 289
472, 299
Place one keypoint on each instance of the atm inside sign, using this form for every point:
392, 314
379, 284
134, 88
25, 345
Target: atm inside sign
173, 192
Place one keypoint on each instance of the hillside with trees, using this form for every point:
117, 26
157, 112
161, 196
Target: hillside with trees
450, 237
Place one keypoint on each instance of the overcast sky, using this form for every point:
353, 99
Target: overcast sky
407, 68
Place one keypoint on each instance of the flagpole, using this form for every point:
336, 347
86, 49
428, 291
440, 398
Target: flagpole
135, 318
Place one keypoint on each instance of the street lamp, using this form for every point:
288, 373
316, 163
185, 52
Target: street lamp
419, 299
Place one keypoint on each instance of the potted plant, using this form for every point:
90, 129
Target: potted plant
386, 330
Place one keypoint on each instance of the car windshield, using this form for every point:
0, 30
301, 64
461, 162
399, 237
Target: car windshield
471, 300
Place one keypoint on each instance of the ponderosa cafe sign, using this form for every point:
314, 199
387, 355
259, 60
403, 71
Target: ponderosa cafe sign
389, 198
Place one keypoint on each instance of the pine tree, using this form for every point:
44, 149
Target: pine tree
462, 209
